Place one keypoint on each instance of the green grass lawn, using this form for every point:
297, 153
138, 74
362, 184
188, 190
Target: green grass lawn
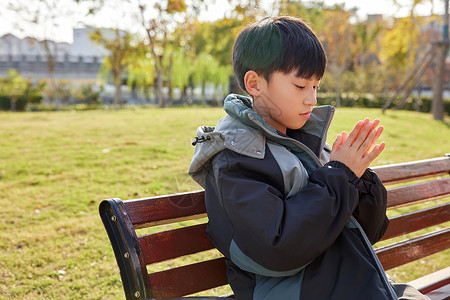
56, 167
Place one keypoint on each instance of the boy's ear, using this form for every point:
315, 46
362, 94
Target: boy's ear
252, 82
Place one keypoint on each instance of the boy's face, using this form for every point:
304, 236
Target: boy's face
286, 101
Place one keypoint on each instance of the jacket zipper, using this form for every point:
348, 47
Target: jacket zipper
301, 145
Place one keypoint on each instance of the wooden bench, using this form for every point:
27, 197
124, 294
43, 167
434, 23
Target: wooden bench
139, 255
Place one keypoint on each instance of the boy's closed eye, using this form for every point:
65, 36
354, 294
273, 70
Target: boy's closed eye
316, 87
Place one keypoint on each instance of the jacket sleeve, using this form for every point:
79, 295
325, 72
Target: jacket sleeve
371, 210
284, 234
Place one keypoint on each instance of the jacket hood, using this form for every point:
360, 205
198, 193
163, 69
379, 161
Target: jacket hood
245, 132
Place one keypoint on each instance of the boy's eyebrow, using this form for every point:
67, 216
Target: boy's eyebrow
313, 79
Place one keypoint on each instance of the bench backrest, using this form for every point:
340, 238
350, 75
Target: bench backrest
137, 254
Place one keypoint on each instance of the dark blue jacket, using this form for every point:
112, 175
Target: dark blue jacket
291, 224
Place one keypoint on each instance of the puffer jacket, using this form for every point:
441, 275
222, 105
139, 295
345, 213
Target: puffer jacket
291, 224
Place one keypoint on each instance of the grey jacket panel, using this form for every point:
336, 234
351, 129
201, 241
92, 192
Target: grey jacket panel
295, 176
228, 134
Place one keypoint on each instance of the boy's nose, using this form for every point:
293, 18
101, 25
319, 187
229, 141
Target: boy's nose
311, 99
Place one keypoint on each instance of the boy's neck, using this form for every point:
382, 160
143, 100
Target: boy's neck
265, 113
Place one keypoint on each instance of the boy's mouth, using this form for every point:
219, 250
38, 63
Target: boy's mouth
306, 115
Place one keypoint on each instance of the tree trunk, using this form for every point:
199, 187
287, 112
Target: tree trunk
338, 90
437, 106
159, 89
118, 91
13, 104
147, 93
169, 77
204, 93
51, 71
183, 94
438, 102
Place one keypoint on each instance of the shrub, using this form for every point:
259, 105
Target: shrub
368, 100
89, 94
15, 88
21, 102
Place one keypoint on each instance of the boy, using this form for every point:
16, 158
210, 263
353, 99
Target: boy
294, 218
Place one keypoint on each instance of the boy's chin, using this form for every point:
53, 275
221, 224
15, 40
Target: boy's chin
298, 126
295, 127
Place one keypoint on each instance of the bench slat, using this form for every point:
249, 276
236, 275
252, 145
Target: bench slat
432, 281
419, 169
417, 220
189, 279
166, 209
418, 192
401, 253
174, 243
442, 293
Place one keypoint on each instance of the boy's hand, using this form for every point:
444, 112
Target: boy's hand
358, 149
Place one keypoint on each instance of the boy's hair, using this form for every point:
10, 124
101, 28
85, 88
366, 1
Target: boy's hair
278, 44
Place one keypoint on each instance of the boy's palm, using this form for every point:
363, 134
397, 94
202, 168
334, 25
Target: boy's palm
358, 149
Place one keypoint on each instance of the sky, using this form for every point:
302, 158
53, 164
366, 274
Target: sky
365, 7
64, 32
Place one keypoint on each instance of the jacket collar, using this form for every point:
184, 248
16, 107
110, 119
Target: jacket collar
313, 134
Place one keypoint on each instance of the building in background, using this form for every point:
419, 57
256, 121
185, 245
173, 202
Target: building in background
76, 62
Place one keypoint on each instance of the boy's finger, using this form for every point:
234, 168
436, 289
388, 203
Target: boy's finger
338, 140
363, 135
367, 142
344, 136
374, 153
375, 138
376, 122
356, 130
337, 143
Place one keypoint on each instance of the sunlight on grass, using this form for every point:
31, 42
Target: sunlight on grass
56, 167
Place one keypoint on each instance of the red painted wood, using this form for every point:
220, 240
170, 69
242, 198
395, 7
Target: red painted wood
189, 279
404, 171
401, 253
174, 243
145, 211
417, 220
437, 285
418, 192
441, 293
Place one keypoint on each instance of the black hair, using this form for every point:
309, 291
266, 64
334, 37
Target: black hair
278, 44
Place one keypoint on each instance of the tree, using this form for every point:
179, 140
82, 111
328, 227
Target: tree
214, 40
120, 48
411, 48
312, 13
367, 67
179, 73
367, 33
338, 36
14, 86
206, 70
159, 22
246, 11
141, 71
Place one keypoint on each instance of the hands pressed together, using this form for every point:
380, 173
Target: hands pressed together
358, 149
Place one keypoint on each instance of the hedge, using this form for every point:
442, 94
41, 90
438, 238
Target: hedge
21, 102
377, 101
